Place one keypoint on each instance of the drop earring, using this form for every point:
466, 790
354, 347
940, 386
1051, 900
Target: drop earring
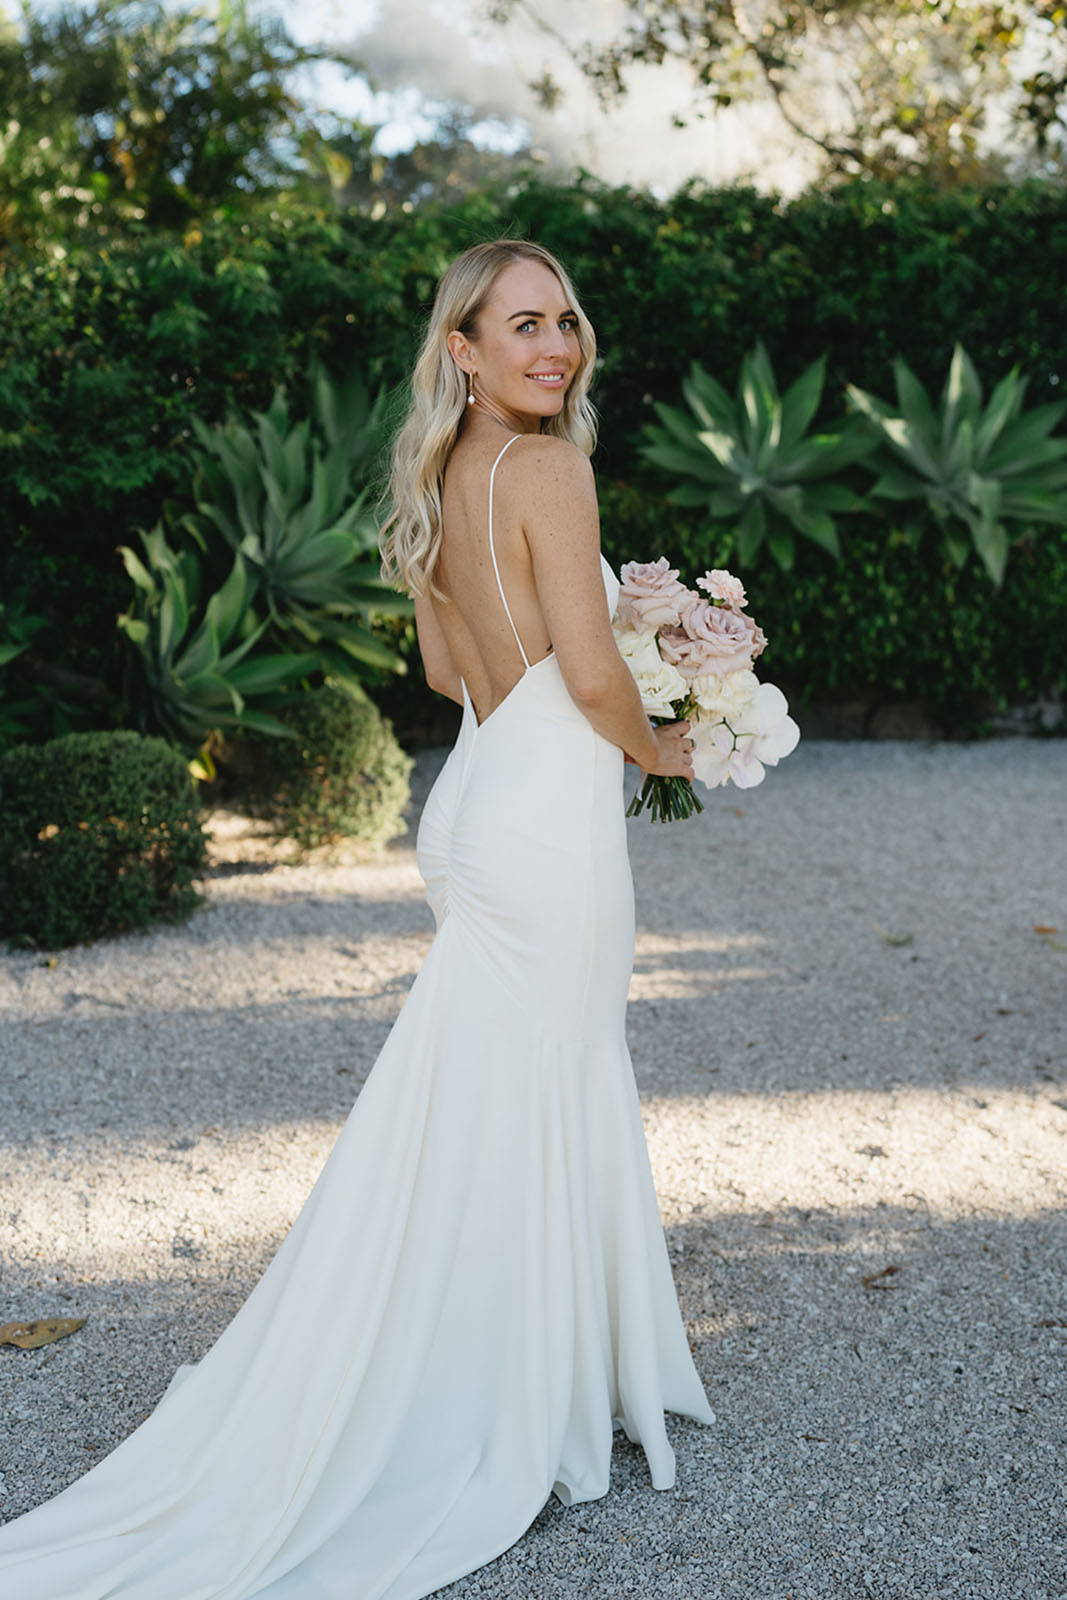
470, 388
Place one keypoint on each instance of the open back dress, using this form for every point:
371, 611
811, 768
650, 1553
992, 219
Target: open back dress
481, 1258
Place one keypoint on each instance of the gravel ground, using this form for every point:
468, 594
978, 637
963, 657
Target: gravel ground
850, 1037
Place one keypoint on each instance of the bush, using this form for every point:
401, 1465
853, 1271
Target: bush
108, 355
99, 834
345, 776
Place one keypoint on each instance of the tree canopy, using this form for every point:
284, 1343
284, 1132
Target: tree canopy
954, 89
130, 113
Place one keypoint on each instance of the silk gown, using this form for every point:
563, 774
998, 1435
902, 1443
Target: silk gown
482, 1255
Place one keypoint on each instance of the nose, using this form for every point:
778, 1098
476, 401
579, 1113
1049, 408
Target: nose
554, 346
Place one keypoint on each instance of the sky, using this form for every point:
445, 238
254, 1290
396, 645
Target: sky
426, 52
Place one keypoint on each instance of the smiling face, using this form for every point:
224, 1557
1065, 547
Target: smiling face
527, 349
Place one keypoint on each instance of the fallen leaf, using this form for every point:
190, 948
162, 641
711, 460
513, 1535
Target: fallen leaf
870, 1281
31, 1335
1041, 927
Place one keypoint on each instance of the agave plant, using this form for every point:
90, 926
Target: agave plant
754, 464
971, 467
200, 662
284, 497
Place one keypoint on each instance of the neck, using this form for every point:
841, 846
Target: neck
516, 422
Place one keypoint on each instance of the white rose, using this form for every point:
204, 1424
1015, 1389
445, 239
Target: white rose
638, 648
659, 687
727, 694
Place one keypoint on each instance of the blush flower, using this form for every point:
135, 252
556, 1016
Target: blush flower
721, 585
726, 640
649, 594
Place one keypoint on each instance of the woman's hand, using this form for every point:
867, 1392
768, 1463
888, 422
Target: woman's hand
675, 751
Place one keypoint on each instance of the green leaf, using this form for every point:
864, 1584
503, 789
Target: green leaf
1004, 404
782, 545
801, 401
751, 530
963, 391
688, 494
725, 448
263, 674
991, 542
898, 483
915, 405
230, 603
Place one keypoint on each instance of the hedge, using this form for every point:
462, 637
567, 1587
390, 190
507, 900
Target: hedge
105, 357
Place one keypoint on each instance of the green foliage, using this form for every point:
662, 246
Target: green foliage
285, 509
197, 665
129, 110
971, 467
292, 507
887, 622
343, 777
107, 355
17, 629
758, 471
99, 834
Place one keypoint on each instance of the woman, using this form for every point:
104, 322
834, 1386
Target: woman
481, 1258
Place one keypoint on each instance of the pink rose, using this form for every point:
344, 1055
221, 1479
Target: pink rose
722, 640
722, 585
684, 652
650, 595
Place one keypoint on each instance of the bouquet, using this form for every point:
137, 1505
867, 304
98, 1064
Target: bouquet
691, 656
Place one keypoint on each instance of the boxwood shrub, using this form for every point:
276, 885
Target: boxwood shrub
99, 834
344, 776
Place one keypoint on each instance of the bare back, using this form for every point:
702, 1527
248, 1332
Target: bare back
486, 648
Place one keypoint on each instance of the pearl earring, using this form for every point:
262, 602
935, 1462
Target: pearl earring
470, 388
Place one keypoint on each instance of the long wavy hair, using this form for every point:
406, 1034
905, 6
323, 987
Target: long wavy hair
410, 535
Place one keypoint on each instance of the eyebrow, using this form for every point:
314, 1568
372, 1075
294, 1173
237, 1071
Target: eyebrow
514, 314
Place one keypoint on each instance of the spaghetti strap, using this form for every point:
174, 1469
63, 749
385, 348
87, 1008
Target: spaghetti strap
492, 552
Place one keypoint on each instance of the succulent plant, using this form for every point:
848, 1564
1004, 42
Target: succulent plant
201, 663
970, 467
752, 462
286, 497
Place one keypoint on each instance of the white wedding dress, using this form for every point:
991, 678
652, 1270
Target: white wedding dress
477, 1290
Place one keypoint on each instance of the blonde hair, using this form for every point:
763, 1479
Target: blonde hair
410, 536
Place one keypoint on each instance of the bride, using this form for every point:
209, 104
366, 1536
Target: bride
482, 1255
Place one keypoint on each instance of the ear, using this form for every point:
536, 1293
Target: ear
461, 350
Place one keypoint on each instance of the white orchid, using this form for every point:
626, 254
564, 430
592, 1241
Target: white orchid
740, 749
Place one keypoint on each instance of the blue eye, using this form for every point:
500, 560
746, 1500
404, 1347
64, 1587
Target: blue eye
530, 323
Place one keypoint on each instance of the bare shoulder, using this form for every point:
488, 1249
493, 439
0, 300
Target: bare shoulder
545, 460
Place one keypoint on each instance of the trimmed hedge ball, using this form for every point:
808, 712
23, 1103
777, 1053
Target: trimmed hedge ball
100, 834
